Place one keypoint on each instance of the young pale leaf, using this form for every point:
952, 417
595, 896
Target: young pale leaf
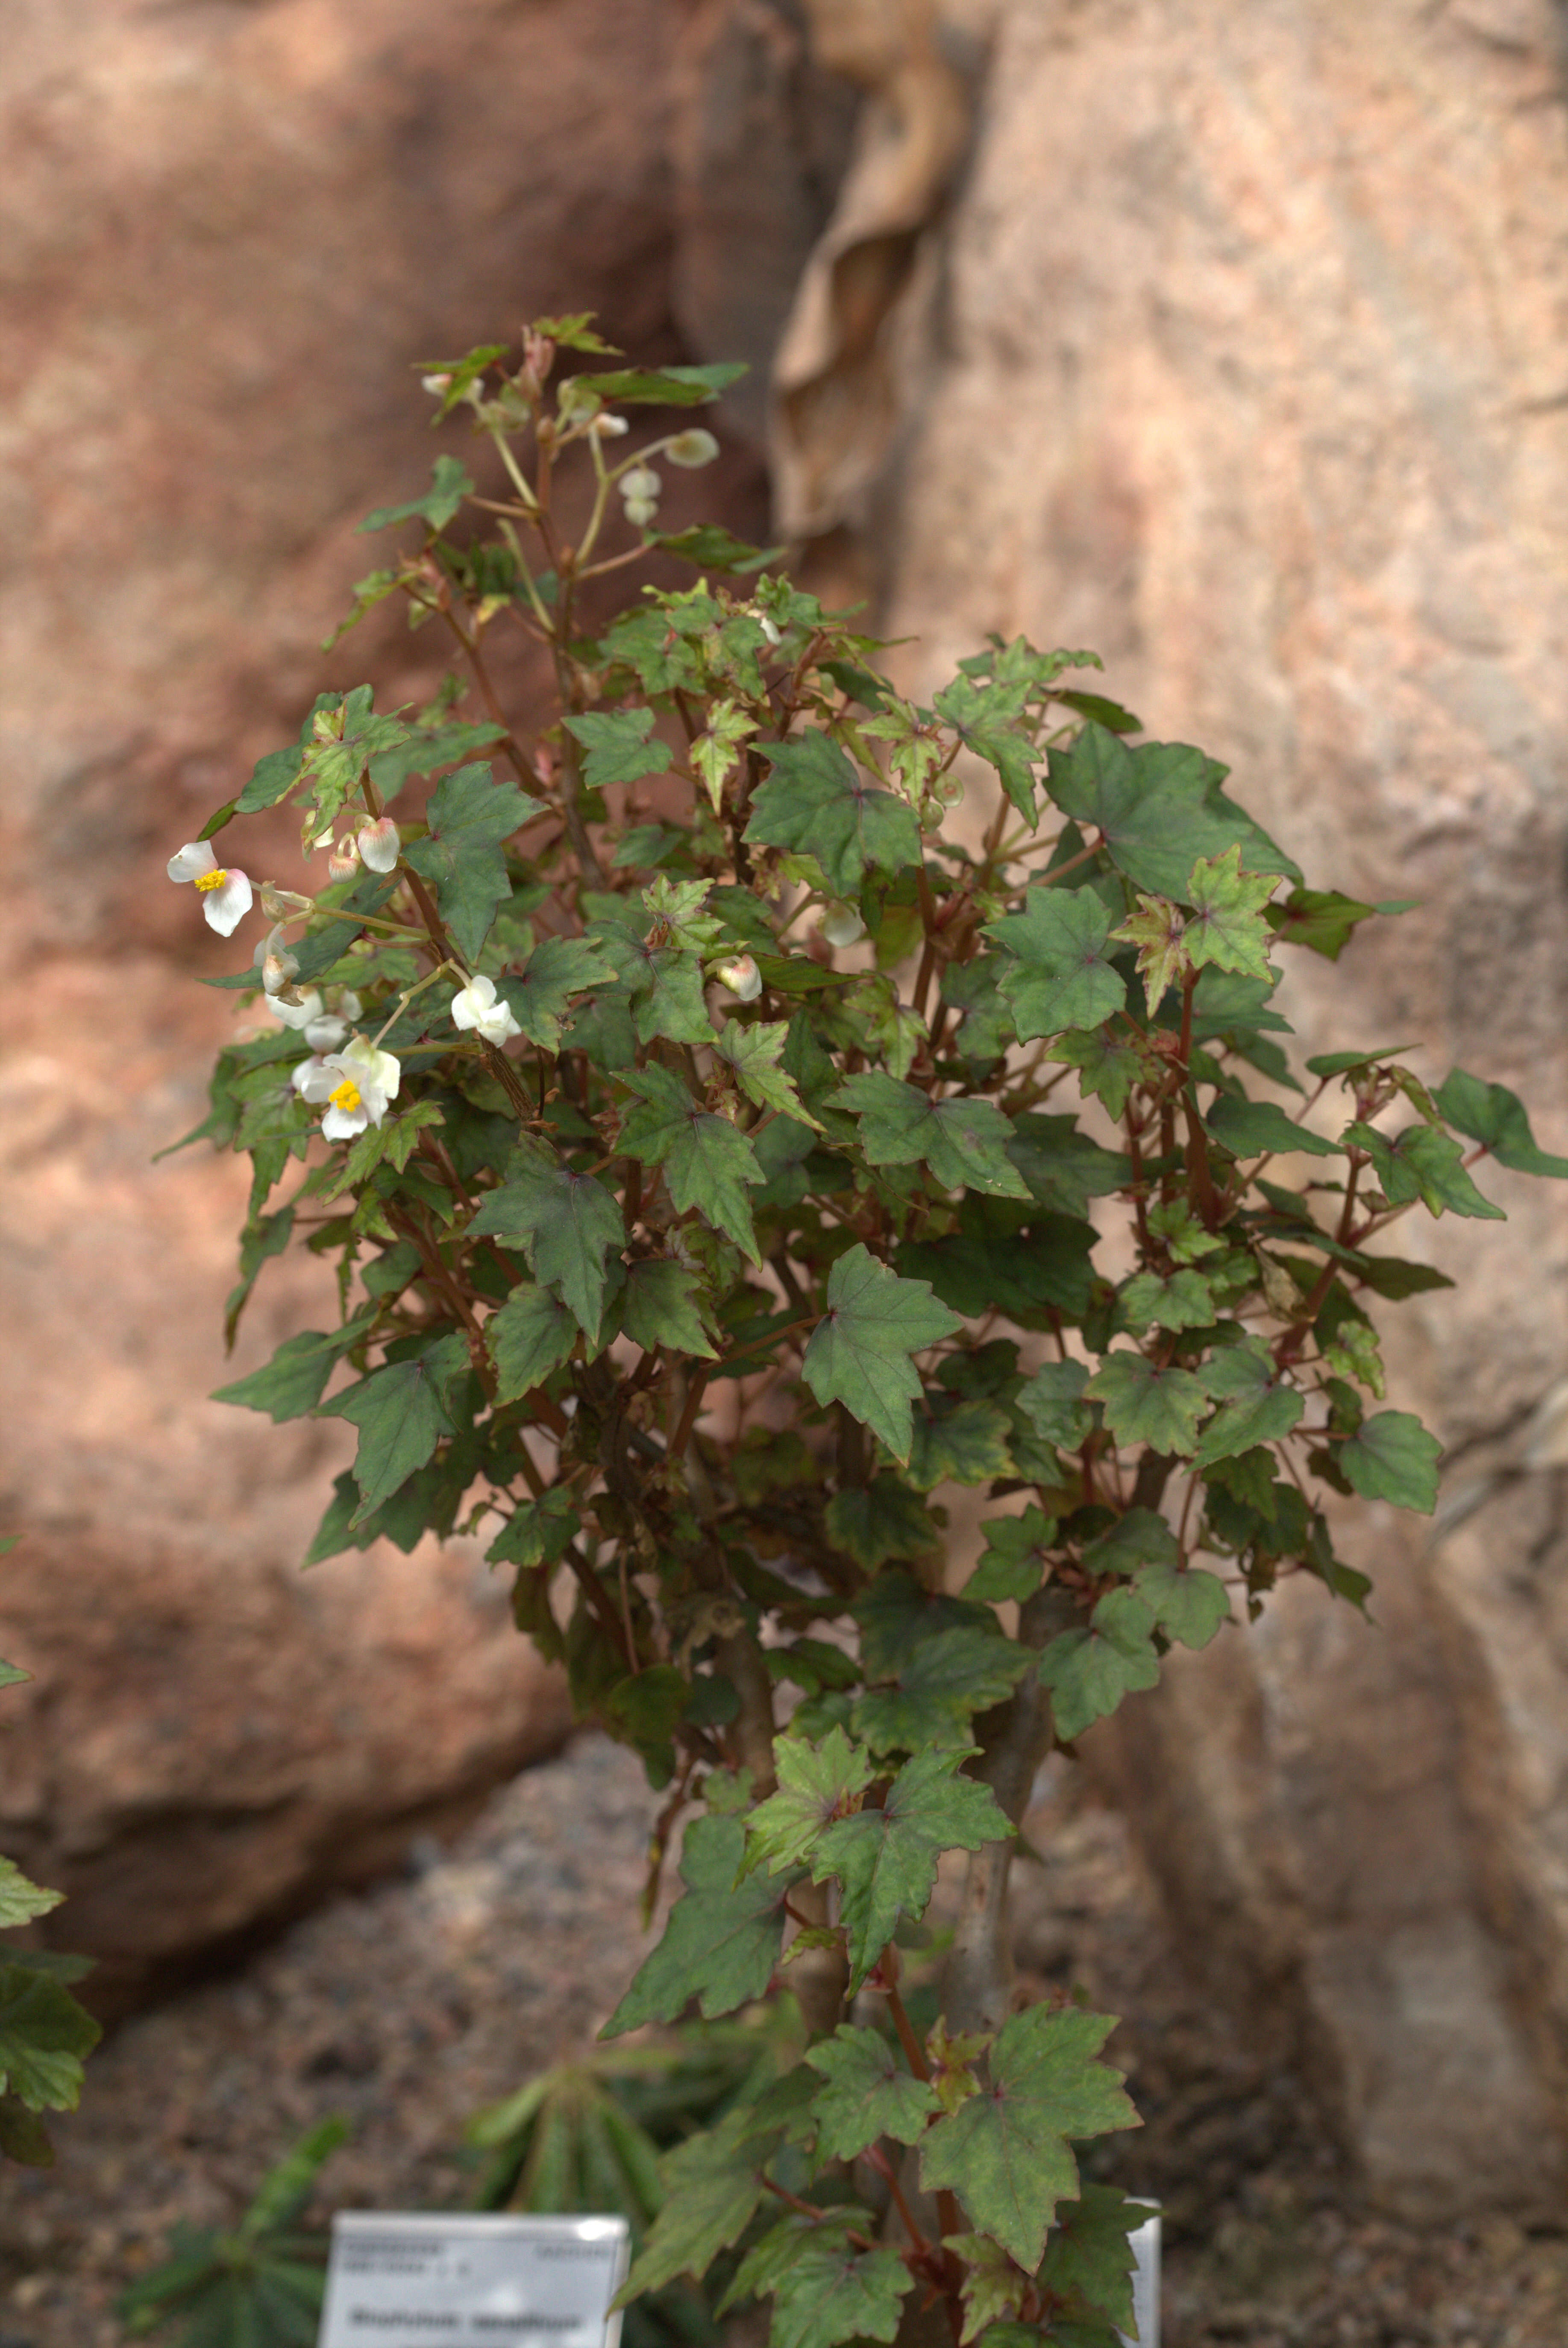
722, 1940
1159, 930
1492, 1114
21, 1900
1423, 1163
566, 1224
817, 802
994, 2288
885, 1861
618, 747
859, 1353
708, 1163
1059, 972
1393, 1457
1143, 1405
44, 2036
986, 720
401, 1414
817, 1784
963, 1142
1005, 2152
660, 1305
753, 1056
531, 1335
870, 2094
1227, 926
470, 815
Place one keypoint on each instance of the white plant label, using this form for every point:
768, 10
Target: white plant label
1145, 2283
476, 2283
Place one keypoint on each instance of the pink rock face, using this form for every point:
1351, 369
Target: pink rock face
1252, 377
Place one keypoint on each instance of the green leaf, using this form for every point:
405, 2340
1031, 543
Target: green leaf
1157, 805
859, 1353
538, 1533
709, 546
831, 2291
44, 2036
1088, 1671
946, 1681
723, 1937
870, 2094
21, 1900
1143, 1405
1492, 1114
1109, 1068
451, 484
1182, 1301
660, 1305
532, 1335
1250, 1128
1190, 1606
272, 779
469, 817
817, 802
401, 1414
1052, 1401
965, 1445
1320, 918
1393, 1457
961, 1141
885, 1861
986, 720
872, 1522
713, 2185
1005, 2152
670, 387
1426, 1164
426, 750
708, 1163
817, 1784
1059, 972
1105, 713
1257, 1404
1090, 2256
1014, 1549
294, 1380
556, 971
567, 1225
1159, 930
753, 1054
1226, 926
618, 747
573, 332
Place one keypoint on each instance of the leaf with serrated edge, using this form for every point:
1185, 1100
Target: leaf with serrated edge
566, 1224
660, 1305
961, 1141
532, 1333
556, 971
1012, 1563
1393, 1457
618, 747
859, 1353
21, 1900
1227, 925
1490, 1113
752, 1055
871, 2093
1088, 1671
401, 1416
817, 802
1190, 1607
468, 816
1059, 972
885, 1861
946, 1680
1143, 1405
722, 1940
713, 2189
1089, 2254
817, 1784
1005, 2152
44, 2036
708, 1163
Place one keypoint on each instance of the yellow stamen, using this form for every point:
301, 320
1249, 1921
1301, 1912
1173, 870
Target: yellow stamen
213, 879
346, 1097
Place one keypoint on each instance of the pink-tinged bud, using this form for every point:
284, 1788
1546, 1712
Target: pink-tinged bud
438, 385
378, 844
610, 427
343, 862
742, 977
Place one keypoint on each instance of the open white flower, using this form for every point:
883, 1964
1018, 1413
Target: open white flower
224, 889
297, 1014
379, 844
356, 1084
478, 1008
742, 977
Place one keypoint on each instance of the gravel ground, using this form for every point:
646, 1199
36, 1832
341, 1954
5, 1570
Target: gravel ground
407, 2007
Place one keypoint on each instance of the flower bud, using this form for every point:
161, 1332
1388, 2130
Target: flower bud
692, 448
640, 482
610, 427
641, 511
280, 904
343, 862
378, 844
770, 629
843, 925
742, 977
438, 385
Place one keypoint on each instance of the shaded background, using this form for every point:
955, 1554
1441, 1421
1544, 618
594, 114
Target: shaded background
1231, 342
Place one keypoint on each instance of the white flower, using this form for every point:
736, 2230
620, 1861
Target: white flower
274, 961
477, 1007
326, 1031
609, 427
378, 844
356, 1084
742, 977
296, 1015
225, 891
343, 862
843, 925
438, 385
692, 448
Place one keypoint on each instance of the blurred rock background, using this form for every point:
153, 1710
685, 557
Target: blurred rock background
1231, 342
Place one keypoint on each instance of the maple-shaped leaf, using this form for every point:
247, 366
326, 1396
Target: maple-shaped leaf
401, 1412
708, 1163
1052, 1401
1007, 2151
661, 1305
716, 755
963, 1141
872, 1522
817, 1784
44, 2036
1250, 1128
944, 1682
1492, 1114
1015, 1554
953, 2056
752, 1055
723, 1937
859, 1353
989, 720
532, 1335
20, 1899
712, 2187
1190, 1606
1423, 1163
1157, 806
1320, 918
678, 910
1059, 972
823, 2287
1088, 1671
1145, 1405
451, 484
995, 2286
965, 1445
567, 1225
618, 747
1109, 1067
538, 1533
557, 970
1089, 2257
897, 1613
1159, 930
817, 803
1227, 926
1183, 1300
885, 1861
469, 817
871, 2093
1258, 1405
294, 1380
1393, 1457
